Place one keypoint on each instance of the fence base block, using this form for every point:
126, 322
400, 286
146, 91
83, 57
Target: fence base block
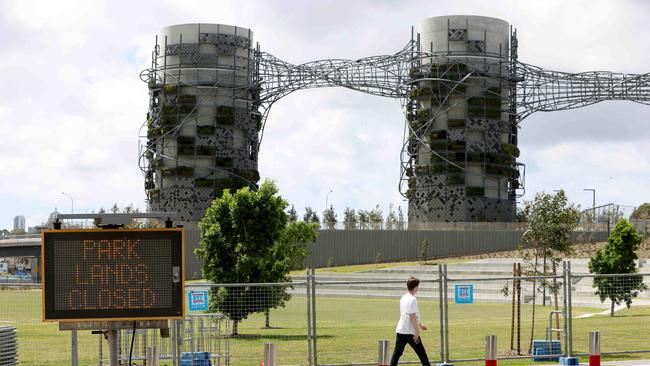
594, 360
569, 361
444, 364
490, 362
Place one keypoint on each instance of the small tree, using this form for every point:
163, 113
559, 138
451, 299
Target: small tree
376, 218
642, 212
400, 219
391, 218
292, 214
551, 220
424, 250
329, 218
618, 256
244, 239
311, 216
364, 219
349, 219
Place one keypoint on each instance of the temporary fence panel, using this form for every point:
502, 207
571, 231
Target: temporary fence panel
518, 310
619, 326
38, 343
352, 316
256, 314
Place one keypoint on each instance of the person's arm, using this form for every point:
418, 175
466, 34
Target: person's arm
414, 321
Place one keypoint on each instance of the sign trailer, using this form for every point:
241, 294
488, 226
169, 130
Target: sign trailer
112, 274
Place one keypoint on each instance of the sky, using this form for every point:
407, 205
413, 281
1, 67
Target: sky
72, 103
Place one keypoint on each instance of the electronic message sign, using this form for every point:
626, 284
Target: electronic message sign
125, 274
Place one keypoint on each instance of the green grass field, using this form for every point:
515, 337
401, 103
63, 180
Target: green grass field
348, 330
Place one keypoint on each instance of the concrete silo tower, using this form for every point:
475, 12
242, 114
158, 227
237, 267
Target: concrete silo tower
202, 125
462, 117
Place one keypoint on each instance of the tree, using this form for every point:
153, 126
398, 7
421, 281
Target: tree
550, 222
400, 218
292, 214
391, 218
376, 218
294, 241
642, 212
311, 216
618, 256
329, 218
364, 219
349, 219
245, 239
292, 246
4, 232
139, 223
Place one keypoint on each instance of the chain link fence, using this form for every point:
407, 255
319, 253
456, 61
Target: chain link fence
323, 320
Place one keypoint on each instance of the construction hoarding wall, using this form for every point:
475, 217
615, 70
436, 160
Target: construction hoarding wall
345, 247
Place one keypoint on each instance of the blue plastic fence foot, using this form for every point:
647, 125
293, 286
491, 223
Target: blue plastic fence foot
444, 364
570, 361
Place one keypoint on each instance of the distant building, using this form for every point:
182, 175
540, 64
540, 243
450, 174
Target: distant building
50, 220
19, 223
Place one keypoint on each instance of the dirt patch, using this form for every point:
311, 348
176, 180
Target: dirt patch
578, 251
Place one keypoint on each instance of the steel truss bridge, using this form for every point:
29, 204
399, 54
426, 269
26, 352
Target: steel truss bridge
532, 88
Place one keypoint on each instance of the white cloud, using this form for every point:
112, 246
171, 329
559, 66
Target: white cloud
72, 101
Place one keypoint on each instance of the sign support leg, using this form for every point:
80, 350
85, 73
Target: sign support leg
112, 348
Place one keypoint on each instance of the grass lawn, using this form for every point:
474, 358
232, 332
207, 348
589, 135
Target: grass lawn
348, 331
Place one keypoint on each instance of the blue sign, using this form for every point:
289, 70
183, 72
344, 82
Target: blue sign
464, 294
198, 300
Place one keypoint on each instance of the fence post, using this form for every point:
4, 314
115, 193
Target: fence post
569, 359
491, 350
570, 315
153, 356
441, 310
383, 358
309, 333
313, 315
565, 287
445, 360
594, 349
518, 308
270, 354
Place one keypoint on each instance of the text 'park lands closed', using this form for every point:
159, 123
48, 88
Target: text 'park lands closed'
113, 274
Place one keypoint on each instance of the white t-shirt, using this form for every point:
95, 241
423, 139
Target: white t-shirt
408, 305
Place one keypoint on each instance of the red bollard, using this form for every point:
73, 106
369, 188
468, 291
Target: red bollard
594, 349
491, 350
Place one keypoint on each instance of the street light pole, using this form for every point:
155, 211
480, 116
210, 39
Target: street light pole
326, 199
593, 201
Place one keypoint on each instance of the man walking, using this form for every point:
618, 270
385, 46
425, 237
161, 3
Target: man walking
408, 327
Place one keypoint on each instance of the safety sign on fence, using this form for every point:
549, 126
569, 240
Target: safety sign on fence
464, 294
198, 300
